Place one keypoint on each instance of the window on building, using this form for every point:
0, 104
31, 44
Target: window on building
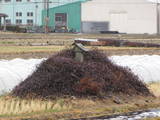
61, 17
18, 14
29, 14
58, 18
18, 21
8, 21
30, 22
18, 0
6, 0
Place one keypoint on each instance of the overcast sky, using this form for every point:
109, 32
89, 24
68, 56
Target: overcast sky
155, 1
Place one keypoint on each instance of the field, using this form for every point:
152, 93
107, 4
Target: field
68, 39
13, 45
67, 108
43, 45
12, 108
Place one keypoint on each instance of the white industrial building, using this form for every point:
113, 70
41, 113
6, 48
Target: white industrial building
124, 16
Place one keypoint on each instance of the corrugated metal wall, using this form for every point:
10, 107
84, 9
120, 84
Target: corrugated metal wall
94, 27
129, 16
73, 11
118, 22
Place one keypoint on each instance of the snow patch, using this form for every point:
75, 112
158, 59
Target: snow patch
145, 66
12, 72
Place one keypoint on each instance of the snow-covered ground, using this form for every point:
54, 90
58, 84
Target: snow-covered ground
138, 116
145, 66
12, 72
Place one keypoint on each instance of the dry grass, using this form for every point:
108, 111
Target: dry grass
20, 107
152, 119
131, 36
11, 52
28, 49
125, 48
16, 109
67, 108
155, 88
9, 38
20, 43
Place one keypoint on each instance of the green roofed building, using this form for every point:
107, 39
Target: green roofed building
64, 17
105, 16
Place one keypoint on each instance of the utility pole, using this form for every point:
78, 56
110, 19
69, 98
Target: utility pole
46, 8
158, 15
36, 7
13, 22
47, 16
4, 28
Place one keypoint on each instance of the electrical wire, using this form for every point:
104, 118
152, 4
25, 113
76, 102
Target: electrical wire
89, 1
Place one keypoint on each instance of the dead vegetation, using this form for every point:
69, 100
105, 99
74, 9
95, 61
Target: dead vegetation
155, 88
32, 109
118, 43
24, 39
71, 108
61, 75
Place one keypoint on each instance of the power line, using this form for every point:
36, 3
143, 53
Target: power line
122, 2
117, 3
26, 3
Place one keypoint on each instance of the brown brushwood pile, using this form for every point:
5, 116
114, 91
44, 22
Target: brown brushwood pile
61, 75
118, 43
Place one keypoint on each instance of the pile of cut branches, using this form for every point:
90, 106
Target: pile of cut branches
61, 75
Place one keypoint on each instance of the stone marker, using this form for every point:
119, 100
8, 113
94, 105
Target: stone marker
79, 50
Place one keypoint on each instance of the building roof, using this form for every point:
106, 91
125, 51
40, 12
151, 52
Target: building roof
79, 1
3, 15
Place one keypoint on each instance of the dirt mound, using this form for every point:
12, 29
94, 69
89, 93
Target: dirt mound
61, 75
